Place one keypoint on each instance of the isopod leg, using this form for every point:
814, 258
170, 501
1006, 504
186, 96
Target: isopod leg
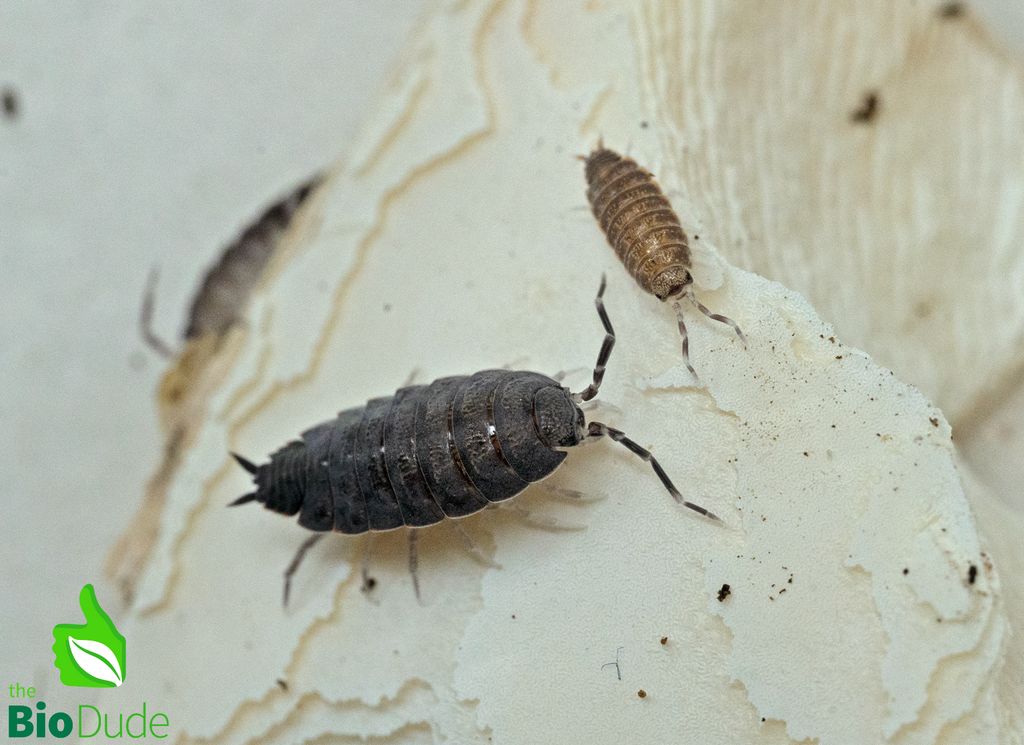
559, 491
686, 339
146, 316
294, 566
561, 375
471, 546
714, 316
606, 347
364, 564
537, 521
597, 429
414, 561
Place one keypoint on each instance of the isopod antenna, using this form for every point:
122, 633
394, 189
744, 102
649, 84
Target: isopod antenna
687, 293
597, 429
606, 348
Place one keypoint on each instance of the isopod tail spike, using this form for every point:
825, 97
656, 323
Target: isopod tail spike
244, 499
296, 562
248, 465
686, 339
606, 347
597, 429
715, 316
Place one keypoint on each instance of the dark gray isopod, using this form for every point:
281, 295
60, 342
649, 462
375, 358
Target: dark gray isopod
430, 452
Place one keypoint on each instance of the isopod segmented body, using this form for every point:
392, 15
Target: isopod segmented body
221, 298
639, 223
645, 233
431, 452
226, 287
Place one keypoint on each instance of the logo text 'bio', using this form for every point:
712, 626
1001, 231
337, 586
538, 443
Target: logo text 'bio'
20, 724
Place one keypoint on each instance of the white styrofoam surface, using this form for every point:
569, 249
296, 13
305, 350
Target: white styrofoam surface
143, 192
147, 135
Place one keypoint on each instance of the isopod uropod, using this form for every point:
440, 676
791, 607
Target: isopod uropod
437, 451
645, 232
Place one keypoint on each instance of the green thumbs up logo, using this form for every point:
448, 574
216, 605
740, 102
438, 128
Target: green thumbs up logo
91, 654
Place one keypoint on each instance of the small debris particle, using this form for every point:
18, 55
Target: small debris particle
370, 584
839, 356
868, 109
642, 693
782, 590
906, 570
513, 616
284, 686
11, 105
643, 125
952, 10
724, 593
805, 454
972, 574
934, 421
387, 307
664, 639
618, 670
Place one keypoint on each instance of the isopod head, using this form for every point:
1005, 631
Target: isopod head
671, 282
559, 421
598, 160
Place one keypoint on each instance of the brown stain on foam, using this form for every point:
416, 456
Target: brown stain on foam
388, 199
313, 704
603, 99
183, 395
395, 131
182, 398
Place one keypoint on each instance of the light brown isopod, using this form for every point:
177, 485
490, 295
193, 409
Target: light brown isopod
645, 232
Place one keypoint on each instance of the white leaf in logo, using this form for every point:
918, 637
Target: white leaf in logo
96, 659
